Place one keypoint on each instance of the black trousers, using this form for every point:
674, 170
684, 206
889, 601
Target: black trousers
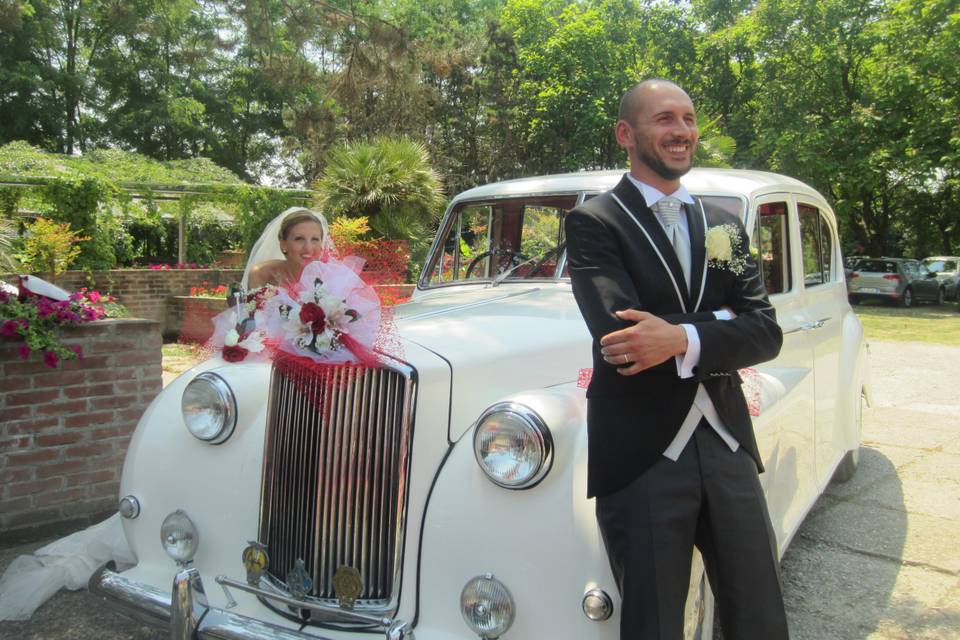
710, 497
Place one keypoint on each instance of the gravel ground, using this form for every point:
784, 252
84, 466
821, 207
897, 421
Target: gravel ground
874, 560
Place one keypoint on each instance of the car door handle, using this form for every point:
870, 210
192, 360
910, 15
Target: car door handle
816, 324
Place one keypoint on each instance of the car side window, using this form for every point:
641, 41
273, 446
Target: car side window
770, 245
816, 243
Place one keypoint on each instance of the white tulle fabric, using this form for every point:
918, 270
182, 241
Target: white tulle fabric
69, 562
267, 247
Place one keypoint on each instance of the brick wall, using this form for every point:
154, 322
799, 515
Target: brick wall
64, 431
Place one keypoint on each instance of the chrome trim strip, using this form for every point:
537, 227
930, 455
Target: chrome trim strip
152, 606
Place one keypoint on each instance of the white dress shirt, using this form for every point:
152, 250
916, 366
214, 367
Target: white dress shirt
702, 404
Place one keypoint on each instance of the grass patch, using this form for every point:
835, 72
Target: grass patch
931, 324
179, 350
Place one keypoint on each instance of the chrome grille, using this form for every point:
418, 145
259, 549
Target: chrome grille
335, 476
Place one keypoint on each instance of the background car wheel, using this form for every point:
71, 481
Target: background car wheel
906, 300
941, 297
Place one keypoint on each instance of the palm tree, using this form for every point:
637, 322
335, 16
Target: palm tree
8, 233
714, 149
391, 182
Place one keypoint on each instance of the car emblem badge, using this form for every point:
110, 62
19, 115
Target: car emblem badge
255, 561
298, 580
347, 584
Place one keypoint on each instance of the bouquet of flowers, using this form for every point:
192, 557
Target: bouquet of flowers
328, 316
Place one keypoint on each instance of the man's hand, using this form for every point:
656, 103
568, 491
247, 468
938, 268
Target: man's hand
649, 342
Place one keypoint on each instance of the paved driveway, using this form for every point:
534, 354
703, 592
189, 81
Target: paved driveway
878, 558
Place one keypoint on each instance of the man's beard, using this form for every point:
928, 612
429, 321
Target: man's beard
656, 164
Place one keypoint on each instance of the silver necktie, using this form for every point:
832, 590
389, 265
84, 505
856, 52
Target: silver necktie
670, 210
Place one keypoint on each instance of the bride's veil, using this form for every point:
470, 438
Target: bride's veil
267, 246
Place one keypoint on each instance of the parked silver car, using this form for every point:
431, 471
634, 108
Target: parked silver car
900, 280
947, 269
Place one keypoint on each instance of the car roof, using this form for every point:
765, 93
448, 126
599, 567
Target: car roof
739, 181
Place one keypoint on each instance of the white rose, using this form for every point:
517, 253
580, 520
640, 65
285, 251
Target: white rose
231, 339
718, 245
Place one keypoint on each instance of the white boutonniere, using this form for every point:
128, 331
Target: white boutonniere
722, 243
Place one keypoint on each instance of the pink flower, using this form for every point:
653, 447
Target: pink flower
24, 352
93, 297
77, 349
51, 359
9, 328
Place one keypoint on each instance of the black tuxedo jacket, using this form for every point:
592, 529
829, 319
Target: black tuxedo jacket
620, 258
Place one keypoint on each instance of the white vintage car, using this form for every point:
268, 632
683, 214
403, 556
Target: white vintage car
444, 496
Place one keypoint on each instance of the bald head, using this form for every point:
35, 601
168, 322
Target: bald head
634, 99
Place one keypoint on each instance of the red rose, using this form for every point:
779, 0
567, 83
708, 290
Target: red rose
314, 316
236, 353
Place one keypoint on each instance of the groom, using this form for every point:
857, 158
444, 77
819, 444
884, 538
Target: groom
673, 461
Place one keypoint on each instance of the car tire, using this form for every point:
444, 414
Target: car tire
941, 297
851, 460
906, 300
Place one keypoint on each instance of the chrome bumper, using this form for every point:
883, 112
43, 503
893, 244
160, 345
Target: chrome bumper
189, 617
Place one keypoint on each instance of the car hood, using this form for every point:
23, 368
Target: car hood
498, 341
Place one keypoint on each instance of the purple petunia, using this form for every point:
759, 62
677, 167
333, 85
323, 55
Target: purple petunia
9, 328
51, 359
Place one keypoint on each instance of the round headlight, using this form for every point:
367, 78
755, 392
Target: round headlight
209, 408
179, 537
487, 606
513, 445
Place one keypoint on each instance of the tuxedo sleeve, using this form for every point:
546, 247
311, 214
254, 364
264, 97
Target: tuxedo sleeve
753, 336
601, 284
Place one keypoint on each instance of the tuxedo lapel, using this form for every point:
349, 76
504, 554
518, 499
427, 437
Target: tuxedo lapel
631, 200
696, 223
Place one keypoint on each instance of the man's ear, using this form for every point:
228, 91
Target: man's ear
624, 134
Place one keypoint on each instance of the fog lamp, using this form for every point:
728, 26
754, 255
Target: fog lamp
129, 507
513, 445
487, 606
179, 537
209, 408
597, 605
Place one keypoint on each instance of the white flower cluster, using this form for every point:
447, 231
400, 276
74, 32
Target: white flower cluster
722, 242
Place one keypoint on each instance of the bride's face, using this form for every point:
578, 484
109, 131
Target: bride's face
303, 242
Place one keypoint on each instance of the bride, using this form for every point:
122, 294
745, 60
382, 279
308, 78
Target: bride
295, 238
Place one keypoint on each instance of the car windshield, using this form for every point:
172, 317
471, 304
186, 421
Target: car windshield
877, 266
517, 238
940, 266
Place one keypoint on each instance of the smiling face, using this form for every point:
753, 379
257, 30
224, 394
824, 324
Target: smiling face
659, 133
303, 243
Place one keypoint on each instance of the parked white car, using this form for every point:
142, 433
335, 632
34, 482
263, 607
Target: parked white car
444, 496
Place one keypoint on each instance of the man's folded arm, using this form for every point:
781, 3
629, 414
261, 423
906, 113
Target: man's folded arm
753, 336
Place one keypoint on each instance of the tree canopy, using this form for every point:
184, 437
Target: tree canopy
860, 99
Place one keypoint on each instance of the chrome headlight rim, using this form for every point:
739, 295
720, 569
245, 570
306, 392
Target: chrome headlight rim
542, 436
227, 399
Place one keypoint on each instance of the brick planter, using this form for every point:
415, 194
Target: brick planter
64, 431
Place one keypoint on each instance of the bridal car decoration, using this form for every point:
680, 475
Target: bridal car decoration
328, 316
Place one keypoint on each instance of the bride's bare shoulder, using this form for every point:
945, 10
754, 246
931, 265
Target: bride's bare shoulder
264, 273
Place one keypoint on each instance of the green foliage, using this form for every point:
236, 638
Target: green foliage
49, 247
8, 234
347, 231
388, 181
257, 206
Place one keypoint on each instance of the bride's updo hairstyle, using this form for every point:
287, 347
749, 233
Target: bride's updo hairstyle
294, 218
